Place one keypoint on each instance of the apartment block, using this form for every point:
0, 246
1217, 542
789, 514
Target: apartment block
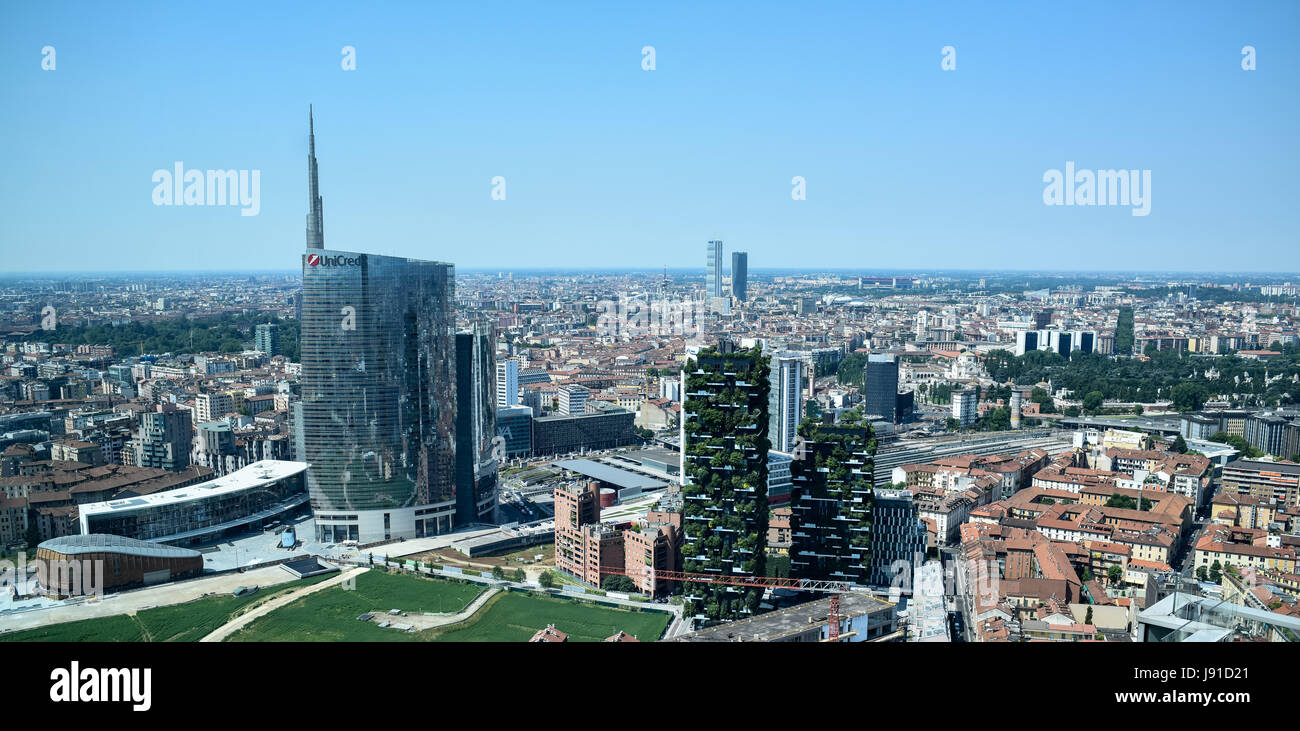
724, 491
1278, 481
830, 503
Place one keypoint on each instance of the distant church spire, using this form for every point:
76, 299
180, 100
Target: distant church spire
315, 222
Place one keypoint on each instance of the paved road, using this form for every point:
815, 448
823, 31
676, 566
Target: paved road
420, 545
429, 621
241, 621
136, 600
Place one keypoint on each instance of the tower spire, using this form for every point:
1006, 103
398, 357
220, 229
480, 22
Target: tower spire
315, 222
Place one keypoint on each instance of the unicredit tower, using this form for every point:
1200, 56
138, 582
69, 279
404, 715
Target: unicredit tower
377, 417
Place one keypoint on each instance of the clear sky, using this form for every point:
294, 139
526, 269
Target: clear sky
606, 164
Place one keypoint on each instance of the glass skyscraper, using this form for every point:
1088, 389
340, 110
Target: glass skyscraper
785, 402
739, 275
713, 283
476, 467
881, 387
378, 395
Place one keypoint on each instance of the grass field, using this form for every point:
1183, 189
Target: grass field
120, 628
514, 617
331, 614
188, 622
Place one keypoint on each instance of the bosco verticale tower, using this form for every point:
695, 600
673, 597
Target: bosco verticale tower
831, 501
724, 447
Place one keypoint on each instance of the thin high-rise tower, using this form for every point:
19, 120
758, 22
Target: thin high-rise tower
713, 284
315, 222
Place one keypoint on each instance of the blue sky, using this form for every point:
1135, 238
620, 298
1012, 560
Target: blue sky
907, 165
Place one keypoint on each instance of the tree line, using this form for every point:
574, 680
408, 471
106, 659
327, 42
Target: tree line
228, 333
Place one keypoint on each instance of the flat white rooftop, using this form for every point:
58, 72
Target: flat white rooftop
258, 474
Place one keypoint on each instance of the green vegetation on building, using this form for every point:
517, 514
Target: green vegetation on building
725, 514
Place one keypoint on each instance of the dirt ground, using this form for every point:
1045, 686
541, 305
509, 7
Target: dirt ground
519, 559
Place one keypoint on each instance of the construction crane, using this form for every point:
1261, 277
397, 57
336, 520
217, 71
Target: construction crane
834, 588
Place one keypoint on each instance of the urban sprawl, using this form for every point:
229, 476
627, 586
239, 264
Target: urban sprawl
716, 453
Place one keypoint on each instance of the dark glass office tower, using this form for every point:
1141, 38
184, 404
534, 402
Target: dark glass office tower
1086, 339
739, 274
476, 468
378, 395
881, 387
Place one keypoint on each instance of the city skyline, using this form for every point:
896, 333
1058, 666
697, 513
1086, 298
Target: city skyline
591, 145
862, 323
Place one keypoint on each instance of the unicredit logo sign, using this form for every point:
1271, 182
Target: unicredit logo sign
316, 260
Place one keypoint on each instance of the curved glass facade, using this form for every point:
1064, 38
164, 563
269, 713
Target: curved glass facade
378, 393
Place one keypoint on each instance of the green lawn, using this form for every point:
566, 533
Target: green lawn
331, 615
187, 622
120, 628
514, 617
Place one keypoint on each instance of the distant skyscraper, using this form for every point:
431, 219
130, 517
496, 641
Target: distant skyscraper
507, 376
881, 387
739, 274
267, 339
785, 404
315, 204
713, 281
476, 469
